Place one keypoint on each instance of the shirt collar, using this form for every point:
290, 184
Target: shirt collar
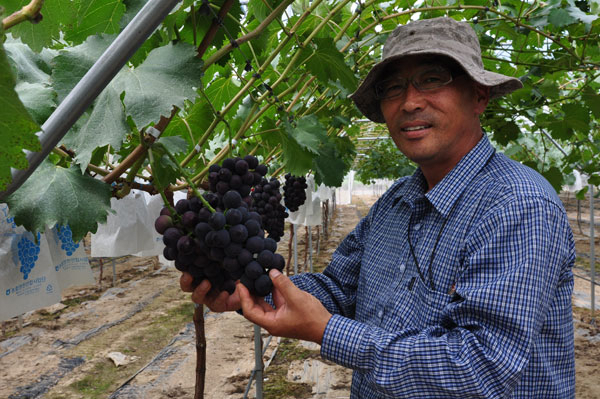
445, 194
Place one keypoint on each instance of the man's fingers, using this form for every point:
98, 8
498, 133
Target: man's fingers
185, 282
283, 284
200, 292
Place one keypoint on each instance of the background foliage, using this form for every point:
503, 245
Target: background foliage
272, 81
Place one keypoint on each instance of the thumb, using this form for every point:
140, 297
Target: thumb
283, 284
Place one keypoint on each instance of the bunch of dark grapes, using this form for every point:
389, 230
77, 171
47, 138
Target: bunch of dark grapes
294, 193
267, 203
236, 174
225, 245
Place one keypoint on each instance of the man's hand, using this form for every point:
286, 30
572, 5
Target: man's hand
202, 295
297, 314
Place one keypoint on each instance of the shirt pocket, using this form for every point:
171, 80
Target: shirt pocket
431, 305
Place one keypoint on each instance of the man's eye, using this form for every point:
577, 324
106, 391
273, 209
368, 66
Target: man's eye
431, 79
394, 86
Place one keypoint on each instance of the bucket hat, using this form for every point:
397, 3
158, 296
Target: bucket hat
439, 36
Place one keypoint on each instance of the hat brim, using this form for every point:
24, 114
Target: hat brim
367, 103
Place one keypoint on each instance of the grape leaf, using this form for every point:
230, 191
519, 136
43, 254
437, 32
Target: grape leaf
17, 128
56, 16
198, 117
329, 167
327, 63
55, 195
163, 169
96, 16
29, 66
221, 91
308, 133
72, 63
577, 116
169, 76
555, 177
261, 9
175, 145
592, 100
164, 79
106, 124
296, 159
560, 17
38, 99
33, 79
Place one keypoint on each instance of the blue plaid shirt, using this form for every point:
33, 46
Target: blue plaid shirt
487, 312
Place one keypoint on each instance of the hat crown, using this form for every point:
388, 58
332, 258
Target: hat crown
441, 35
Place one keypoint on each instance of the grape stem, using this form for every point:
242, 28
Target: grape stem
159, 186
187, 179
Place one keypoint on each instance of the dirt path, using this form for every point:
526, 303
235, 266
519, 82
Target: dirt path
63, 352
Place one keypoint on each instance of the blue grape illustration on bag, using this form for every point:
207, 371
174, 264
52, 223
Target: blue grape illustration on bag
27, 252
65, 235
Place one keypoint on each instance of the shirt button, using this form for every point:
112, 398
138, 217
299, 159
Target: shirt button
417, 227
380, 313
402, 267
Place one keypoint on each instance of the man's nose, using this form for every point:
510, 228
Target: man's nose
414, 100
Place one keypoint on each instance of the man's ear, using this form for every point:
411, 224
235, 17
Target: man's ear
482, 94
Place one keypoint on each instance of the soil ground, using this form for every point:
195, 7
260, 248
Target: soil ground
137, 339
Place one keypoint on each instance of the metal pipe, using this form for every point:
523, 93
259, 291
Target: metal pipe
258, 362
92, 84
295, 249
592, 253
310, 249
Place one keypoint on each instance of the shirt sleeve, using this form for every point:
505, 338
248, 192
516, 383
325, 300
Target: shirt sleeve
517, 263
336, 286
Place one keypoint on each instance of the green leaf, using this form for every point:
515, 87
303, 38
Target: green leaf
175, 145
221, 91
38, 99
577, 116
96, 16
55, 195
105, 125
327, 63
197, 119
576, 13
308, 133
329, 167
339, 121
560, 17
29, 66
592, 100
297, 160
261, 9
166, 78
72, 63
58, 15
17, 127
506, 132
555, 177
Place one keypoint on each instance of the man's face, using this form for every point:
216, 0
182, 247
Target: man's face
437, 127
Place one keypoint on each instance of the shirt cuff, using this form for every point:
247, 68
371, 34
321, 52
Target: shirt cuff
343, 341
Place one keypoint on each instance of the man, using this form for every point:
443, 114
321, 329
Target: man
458, 283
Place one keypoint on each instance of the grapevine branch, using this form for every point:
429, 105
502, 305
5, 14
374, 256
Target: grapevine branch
30, 12
212, 31
140, 150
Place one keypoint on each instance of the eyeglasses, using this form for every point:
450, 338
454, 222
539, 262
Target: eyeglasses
428, 78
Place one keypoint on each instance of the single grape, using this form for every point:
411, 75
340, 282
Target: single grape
171, 236
263, 285
162, 223
232, 199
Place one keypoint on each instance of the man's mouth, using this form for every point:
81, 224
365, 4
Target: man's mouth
415, 128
